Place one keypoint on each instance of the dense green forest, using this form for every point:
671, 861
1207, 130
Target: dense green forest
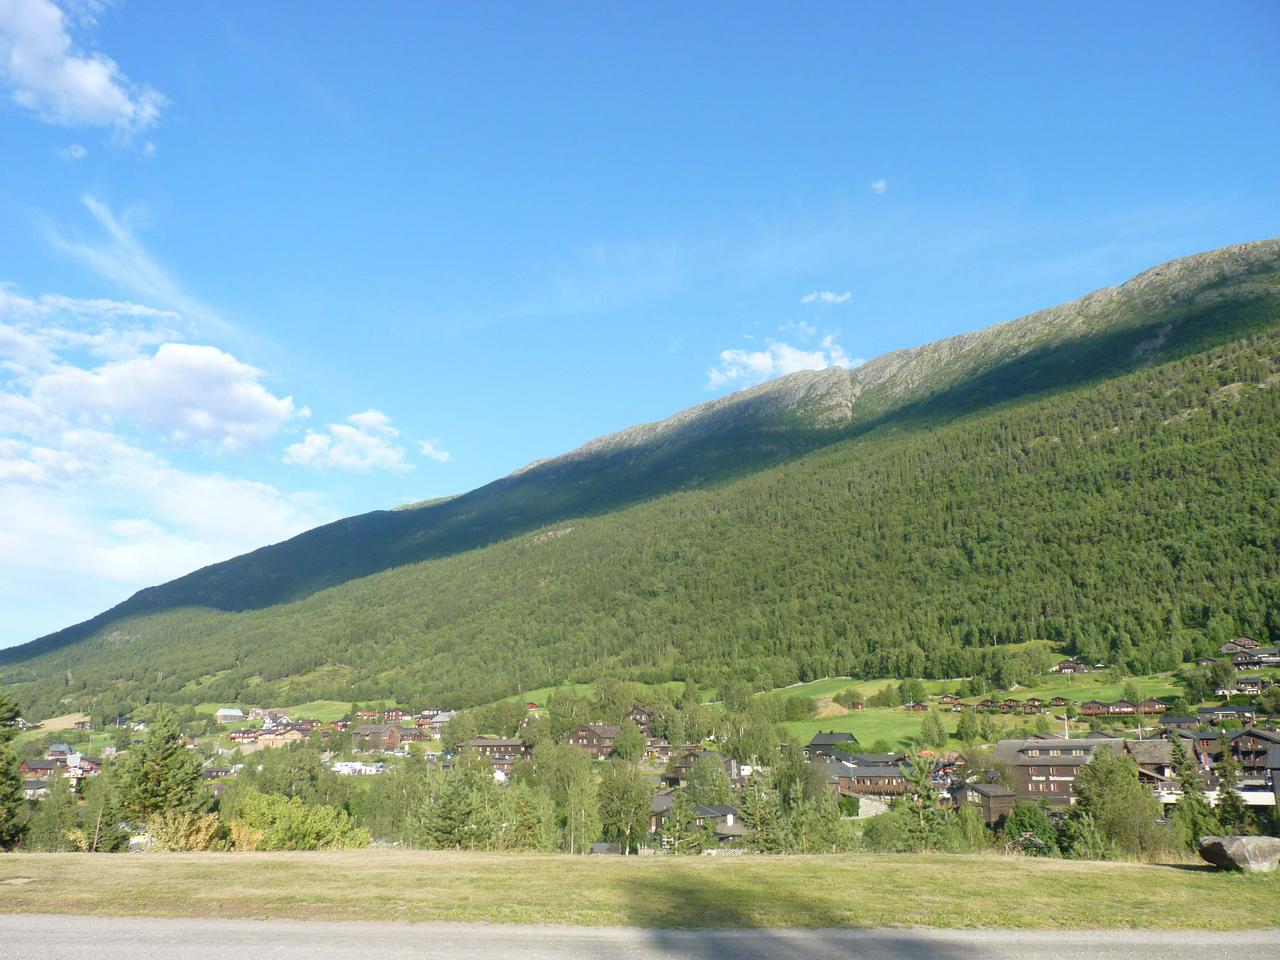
1134, 521
1173, 310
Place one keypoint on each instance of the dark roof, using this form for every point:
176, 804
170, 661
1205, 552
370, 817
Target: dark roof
1273, 758
41, 764
989, 789
831, 738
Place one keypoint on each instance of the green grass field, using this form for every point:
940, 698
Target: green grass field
837, 891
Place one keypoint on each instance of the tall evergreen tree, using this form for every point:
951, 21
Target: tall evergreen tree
1193, 817
54, 818
161, 775
12, 797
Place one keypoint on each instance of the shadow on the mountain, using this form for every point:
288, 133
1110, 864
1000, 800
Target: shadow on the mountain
708, 914
370, 543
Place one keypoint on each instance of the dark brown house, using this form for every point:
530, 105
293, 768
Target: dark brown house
376, 736
595, 738
995, 800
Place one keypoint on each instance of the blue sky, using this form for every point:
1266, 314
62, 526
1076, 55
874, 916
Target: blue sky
266, 265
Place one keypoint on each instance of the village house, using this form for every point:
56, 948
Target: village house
243, 736
722, 819
376, 736
911, 706
642, 717
1239, 644
82, 725
874, 781
39, 768
948, 700
1252, 747
1179, 722
596, 738
1152, 707
677, 772
501, 752
282, 736
394, 715
1212, 716
1059, 702
987, 704
1046, 770
1010, 705
58, 751
369, 715
1204, 661
1250, 685
825, 744
1247, 660
229, 715
35, 789
995, 800
1070, 667
658, 750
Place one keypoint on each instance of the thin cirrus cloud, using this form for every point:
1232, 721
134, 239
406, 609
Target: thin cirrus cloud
117, 255
433, 451
826, 297
46, 73
879, 186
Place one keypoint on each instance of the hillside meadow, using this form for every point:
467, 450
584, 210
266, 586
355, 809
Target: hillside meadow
664, 891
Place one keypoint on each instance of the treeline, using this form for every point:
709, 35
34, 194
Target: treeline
1135, 522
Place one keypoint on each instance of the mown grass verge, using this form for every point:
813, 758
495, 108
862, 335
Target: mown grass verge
855, 890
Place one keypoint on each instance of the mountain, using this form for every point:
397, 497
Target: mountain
409, 602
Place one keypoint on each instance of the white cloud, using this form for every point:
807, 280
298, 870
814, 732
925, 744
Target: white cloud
431, 448
879, 186
46, 73
90, 518
826, 296
366, 441
744, 368
110, 364
73, 152
188, 393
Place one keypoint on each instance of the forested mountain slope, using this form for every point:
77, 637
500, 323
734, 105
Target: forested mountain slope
965, 497
1181, 306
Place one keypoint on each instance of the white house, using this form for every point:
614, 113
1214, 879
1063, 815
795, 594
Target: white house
229, 715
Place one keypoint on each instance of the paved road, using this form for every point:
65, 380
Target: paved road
62, 937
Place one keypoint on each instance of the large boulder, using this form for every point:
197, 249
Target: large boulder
1250, 854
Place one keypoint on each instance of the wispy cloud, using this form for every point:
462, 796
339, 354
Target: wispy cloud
879, 186
118, 256
364, 442
72, 153
432, 449
46, 73
826, 296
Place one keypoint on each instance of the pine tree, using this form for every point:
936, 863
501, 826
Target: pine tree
1193, 817
12, 797
1232, 811
919, 806
161, 774
54, 818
